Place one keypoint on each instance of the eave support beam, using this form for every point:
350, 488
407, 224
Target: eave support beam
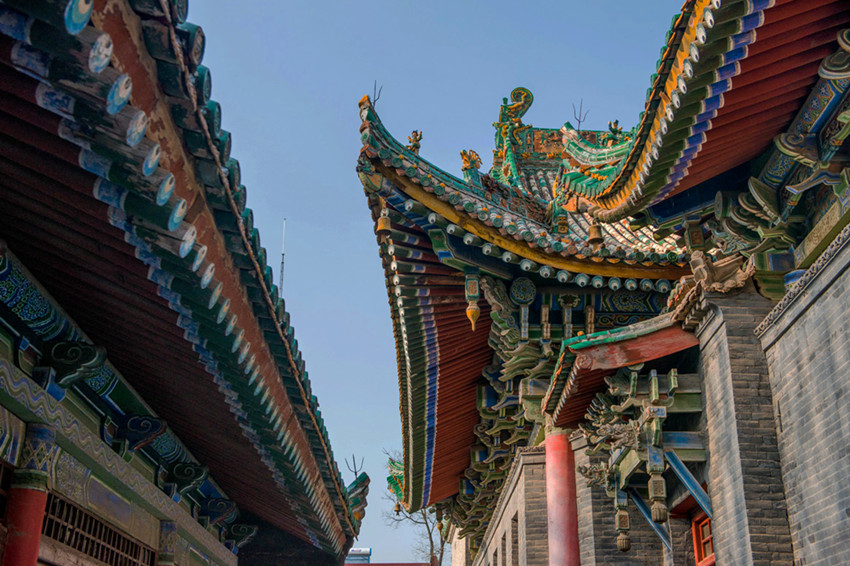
689, 481
647, 514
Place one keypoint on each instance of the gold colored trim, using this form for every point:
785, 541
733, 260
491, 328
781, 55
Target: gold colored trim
521, 249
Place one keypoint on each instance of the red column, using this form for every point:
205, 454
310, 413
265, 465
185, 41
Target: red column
561, 500
24, 514
28, 497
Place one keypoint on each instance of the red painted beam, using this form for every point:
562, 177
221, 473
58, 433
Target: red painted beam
634, 351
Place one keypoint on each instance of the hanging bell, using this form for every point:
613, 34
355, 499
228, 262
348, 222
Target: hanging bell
594, 236
397, 508
382, 227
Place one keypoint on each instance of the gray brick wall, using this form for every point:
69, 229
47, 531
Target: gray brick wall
534, 525
460, 551
524, 497
597, 533
744, 477
681, 538
809, 358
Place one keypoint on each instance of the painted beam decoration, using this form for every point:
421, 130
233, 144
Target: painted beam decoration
594, 250
112, 107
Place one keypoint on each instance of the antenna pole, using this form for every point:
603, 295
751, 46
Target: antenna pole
282, 243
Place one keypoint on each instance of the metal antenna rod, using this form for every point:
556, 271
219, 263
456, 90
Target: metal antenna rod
282, 242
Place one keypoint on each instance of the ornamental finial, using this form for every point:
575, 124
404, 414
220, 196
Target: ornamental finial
472, 291
473, 311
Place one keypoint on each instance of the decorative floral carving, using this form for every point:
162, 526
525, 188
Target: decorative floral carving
69, 476
523, 291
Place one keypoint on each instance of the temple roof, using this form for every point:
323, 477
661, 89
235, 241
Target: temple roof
747, 111
120, 195
432, 229
509, 218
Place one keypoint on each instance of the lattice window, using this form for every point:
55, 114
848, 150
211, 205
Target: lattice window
703, 540
73, 526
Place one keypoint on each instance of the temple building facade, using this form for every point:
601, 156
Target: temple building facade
155, 409
630, 346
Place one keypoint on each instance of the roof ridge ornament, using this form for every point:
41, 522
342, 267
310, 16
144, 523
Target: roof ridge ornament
414, 138
521, 100
471, 159
508, 128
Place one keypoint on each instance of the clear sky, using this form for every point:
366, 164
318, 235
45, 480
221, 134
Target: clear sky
288, 76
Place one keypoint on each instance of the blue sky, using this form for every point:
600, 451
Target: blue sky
288, 76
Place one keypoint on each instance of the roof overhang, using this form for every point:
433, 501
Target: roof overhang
173, 283
585, 361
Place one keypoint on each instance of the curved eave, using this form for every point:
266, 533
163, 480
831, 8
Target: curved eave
708, 113
282, 387
394, 167
583, 158
439, 362
271, 392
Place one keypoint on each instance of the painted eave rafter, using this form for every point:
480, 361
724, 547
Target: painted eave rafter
268, 383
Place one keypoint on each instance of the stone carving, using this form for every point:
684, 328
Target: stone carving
721, 276
605, 430
619, 435
596, 474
